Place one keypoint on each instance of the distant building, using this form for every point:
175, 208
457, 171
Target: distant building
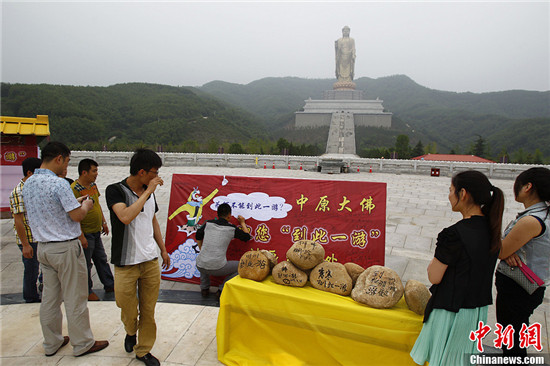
452, 157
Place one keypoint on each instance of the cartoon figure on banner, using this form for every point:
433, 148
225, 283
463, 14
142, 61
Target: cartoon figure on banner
193, 207
182, 261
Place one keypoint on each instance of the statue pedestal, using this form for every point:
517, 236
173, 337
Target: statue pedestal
344, 85
342, 110
343, 95
318, 112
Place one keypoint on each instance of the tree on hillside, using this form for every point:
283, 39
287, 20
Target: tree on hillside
455, 150
283, 145
213, 145
257, 146
478, 149
538, 158
305, 150
375, 153
402, 147
521, 157
431, 148
418, 149
235, 148
503, 156
190, 146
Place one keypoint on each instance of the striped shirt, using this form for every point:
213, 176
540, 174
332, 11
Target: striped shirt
133, 243
17, 206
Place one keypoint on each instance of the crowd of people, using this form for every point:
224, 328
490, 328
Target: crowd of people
58, 226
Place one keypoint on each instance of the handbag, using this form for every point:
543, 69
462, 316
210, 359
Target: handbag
523, 276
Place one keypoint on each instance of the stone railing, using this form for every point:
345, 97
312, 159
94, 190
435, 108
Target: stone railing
311, 163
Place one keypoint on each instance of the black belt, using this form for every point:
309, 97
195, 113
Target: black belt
58, 241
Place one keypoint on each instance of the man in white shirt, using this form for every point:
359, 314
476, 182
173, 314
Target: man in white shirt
135, 237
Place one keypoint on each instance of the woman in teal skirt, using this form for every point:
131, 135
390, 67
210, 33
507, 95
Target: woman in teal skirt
461, 272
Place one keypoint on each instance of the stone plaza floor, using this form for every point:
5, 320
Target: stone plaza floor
417, 210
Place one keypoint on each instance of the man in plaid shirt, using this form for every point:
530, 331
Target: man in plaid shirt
23, 234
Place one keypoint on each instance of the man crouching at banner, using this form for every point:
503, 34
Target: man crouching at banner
213, 239
136, 235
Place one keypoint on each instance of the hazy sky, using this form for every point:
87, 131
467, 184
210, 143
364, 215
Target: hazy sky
466, 46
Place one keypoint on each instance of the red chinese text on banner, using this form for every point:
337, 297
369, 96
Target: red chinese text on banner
15, 149
347, 218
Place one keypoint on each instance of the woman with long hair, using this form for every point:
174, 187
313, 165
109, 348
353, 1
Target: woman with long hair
461, 272
526, 243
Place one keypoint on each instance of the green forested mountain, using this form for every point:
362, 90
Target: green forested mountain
125, 115
255, 117
273, 97
507, 120
403, 96
270, 98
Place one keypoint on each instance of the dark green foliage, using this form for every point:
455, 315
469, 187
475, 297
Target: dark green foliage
132, 114
270, 98
418, 149
375, 153
282, 144
538, 157
431, 148
288, 148
402, 95
236, 148
479, 147
402, 147
529, 134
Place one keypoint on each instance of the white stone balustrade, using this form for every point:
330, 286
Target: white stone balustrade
396, 166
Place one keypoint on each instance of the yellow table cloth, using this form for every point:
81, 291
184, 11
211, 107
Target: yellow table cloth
263, 323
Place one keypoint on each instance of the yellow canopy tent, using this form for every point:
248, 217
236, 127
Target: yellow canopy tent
19, 140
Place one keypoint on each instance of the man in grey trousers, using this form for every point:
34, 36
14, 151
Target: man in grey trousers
54, 215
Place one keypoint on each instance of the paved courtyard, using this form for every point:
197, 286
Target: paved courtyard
417, 209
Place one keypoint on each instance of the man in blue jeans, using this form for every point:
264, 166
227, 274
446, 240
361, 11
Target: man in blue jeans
23, 234
93, 225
